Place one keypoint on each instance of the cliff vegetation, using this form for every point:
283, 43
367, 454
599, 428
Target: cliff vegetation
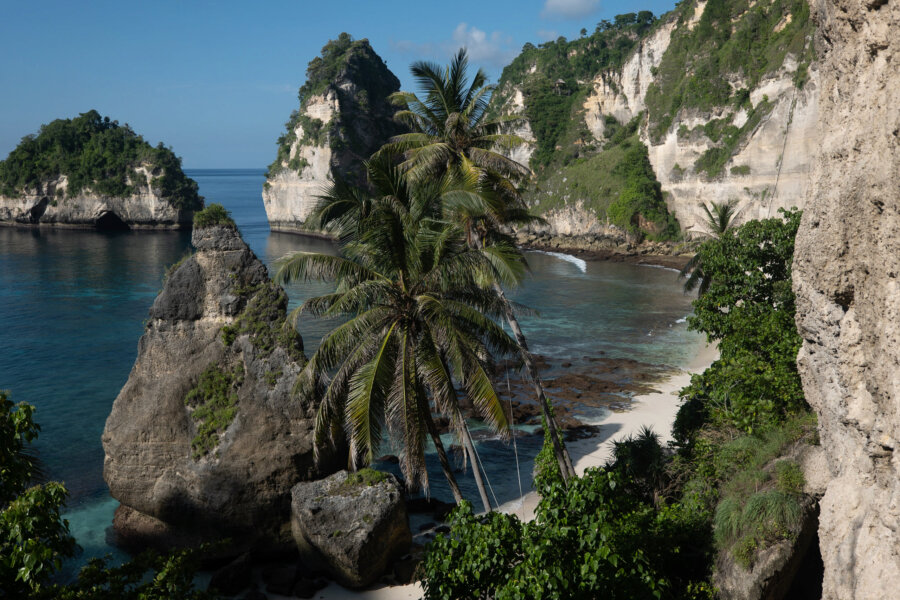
98, 155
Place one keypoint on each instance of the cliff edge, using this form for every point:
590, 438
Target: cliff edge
344, 117
846, 270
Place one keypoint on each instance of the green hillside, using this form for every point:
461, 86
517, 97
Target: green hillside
99, 155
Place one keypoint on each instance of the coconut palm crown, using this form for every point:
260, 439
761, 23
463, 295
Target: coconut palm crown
719, 217
417, 327
450, 128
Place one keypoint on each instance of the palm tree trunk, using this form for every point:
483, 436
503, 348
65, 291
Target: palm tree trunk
473, 458
559, 448
442, 457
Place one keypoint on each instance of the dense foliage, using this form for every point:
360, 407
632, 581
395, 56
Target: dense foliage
748, 309
214, 215
562, 72
97, 155
616, 183
739, 37
34, 538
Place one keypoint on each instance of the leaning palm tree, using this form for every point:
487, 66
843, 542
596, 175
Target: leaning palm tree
453, 138
418, 327
719, 218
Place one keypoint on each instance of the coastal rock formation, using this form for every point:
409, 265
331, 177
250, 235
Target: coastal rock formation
354, 525
846, 269
205, 439
91, 172
344, 116
718, 123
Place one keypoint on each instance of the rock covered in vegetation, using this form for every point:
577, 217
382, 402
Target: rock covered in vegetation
344, 117
205, 438
91, 172
718, 121
354, 525
846, 271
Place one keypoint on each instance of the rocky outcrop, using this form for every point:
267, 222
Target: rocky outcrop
91, 172
757, 147
846, 268
48, 204
354, 525
344, 117
205, 439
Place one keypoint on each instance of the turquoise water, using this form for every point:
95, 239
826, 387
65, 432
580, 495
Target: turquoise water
72, 306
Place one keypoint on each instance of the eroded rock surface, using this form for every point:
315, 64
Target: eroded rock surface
354, 525
205, 439
846, 269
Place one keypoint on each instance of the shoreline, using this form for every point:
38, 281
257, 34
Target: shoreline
656, 409
633, 257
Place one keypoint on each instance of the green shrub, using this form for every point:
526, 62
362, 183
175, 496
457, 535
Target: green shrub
214, 401
213, 215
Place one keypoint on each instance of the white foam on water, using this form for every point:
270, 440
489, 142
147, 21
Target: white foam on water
581, 264
659, 267
682, 320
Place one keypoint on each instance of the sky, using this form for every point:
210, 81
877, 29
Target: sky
217, 80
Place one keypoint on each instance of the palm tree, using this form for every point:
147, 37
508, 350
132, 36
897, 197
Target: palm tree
719, 218
453, 139
418, 326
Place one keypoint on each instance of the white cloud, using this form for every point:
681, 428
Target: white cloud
569, 9
494, 49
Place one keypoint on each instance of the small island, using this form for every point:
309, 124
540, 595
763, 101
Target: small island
92, 172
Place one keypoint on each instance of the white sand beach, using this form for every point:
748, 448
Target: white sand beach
656, 410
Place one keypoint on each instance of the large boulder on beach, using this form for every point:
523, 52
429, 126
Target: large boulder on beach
205, 439
352, 525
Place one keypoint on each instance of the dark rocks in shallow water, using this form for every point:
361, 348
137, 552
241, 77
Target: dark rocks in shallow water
205, 439
352, 525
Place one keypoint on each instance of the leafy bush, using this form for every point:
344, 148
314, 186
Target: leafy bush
590, 539
99, 155
749, 310
212, 216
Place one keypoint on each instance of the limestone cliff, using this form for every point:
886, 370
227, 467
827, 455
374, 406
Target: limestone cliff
726, 96
846, 268
91, 172
205, 439
344, 116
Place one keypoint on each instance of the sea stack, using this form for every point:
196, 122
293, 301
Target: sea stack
92, 173
344, 116
845, 273
205, 440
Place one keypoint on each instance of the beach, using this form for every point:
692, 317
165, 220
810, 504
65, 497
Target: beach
656, 410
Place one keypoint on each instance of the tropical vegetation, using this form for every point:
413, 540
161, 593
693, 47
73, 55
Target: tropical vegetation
454, 139
718, 217
98, 155
35, 539
650, 523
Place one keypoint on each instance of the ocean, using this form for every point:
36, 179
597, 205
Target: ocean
73, 305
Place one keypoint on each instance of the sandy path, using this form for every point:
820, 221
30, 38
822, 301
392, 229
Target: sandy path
657, 410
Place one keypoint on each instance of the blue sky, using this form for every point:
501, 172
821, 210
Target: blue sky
217, 80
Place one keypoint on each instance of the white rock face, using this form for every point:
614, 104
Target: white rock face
621, 93
290, 196
48, 205
779, 154
845, 275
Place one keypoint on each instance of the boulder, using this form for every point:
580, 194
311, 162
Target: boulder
354, 525
205, 439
